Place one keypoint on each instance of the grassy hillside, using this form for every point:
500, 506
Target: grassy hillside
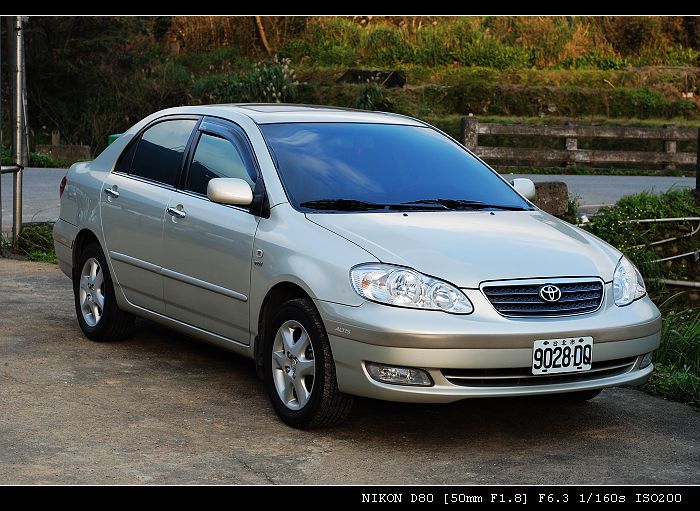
92, 76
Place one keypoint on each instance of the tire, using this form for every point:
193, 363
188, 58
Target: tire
92, 285
580, 396
297, 355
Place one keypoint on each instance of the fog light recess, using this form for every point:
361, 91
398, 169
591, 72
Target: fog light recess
399, 375
646, 360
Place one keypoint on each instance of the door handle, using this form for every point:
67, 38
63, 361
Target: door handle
110, 192
177, 213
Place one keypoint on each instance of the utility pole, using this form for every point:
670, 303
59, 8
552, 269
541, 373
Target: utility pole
20, 149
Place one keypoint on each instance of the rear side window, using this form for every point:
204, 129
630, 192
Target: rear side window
159, 152
215, 157
124, 162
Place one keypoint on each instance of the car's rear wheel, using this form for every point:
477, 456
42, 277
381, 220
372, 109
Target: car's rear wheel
99, 317
299, 369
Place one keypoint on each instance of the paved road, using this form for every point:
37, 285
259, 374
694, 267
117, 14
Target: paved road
41, 191
595, 191
40, 196
163, 408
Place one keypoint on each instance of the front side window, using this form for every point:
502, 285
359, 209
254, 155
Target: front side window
355, 166
215, 157
161, 148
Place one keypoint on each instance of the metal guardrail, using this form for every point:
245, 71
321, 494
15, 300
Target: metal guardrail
17, 199
695, 254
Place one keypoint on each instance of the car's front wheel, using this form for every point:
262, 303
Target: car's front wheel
99, 316
299, 369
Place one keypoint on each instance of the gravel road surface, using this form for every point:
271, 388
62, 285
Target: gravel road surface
164, 408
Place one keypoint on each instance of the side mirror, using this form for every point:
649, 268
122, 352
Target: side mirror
230, 190
525, 187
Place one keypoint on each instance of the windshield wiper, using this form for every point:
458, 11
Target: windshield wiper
468, 204
360, 205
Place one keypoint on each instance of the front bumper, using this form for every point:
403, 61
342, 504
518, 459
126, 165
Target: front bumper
439, 342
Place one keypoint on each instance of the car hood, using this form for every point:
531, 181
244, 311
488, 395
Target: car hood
470, 247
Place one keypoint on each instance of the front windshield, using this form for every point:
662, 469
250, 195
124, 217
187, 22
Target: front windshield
373, 167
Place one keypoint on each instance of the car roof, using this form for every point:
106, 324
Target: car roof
273, 113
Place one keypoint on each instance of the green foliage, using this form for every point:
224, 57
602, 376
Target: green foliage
571, 214
595, 60
224, 88
270, 81
486, 51
100, 75
42, 256
677, 361
386, 46
374, 97
35, 241
46, 161
6, 156
610, 222
35, 159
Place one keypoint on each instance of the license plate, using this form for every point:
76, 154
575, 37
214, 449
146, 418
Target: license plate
570, 355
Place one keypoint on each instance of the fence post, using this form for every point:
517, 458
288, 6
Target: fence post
571, 145
669, 146
470, 132
55, 137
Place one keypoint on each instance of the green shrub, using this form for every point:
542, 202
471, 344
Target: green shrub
35, 159
677, 374
35, 241
677, 361
386, 47
572, 206
224, 88
485, 51
270, 81
610, 221
596, 60
373, 96
6, 156
46, 161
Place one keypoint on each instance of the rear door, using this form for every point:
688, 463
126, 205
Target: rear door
207, 247
134, 202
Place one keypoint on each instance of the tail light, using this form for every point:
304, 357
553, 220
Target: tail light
62, 186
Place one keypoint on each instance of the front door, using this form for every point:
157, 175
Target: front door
207, 246
133, 207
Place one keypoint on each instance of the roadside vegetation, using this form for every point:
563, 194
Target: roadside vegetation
35, 159
35, 242
677, 374
98, 75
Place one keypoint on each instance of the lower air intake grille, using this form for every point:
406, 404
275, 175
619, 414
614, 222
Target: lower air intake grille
522, 376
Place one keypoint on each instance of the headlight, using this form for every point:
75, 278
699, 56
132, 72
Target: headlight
628, 284
404, 287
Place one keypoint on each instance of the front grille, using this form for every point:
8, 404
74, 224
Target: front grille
523, 300
522, 376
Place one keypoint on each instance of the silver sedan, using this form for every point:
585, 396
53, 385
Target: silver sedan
347, 253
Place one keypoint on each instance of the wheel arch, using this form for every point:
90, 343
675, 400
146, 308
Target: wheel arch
275, 297
82, 240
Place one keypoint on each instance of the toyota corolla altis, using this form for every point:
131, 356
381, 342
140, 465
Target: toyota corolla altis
349, 254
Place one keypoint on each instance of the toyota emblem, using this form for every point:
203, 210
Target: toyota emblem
550, 293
